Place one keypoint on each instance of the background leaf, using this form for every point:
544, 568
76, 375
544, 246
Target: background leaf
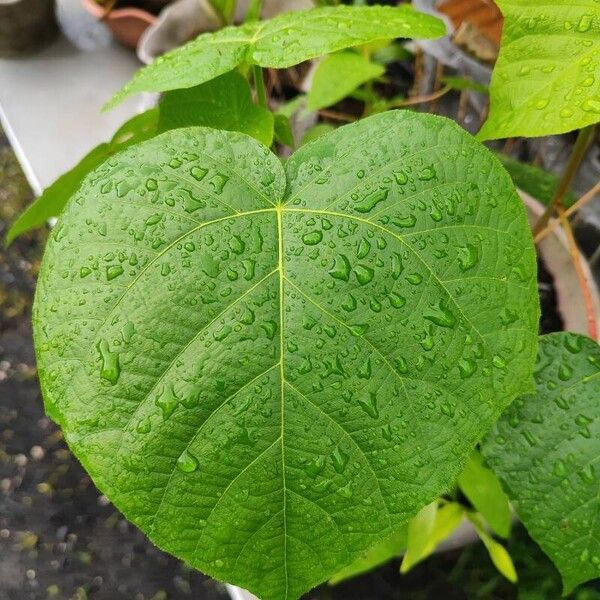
281, 42
546, 77
430, 527
223, 103
55, 196
339, 75
484, 492
271, 372
498, 553
537, 182
545, 450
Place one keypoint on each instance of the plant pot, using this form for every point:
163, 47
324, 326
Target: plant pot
26, 26
126, 24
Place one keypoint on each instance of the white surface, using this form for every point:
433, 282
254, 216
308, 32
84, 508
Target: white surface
50, 105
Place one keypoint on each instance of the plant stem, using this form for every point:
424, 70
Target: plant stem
419, 99
253, 11
587, 197
581, 276
584, 139
259, 84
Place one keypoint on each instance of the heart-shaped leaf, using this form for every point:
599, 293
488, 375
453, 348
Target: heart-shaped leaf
268, 371
283, 41
545, 449
547, 77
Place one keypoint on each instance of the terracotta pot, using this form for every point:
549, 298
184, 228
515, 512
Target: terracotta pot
126, 24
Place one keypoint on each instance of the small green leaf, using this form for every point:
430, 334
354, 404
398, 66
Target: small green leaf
283, 130
546, 79
55, 196
223, 103
226, 342
315, 132
545, 449
428, 529
498, 553
484, 492
537, 182
420, 529
281, 42
338, 75
379, 554
463, 83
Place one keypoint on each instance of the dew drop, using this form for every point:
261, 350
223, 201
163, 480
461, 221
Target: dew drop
187, 462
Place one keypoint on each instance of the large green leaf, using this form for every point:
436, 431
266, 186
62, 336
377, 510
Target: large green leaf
545, 449
55, 196
283, 41
270, 371
223, 103
339, 75
547, 76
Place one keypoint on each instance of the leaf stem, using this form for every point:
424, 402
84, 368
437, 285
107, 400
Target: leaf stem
259, 84
584, 139
254, 10
581, 276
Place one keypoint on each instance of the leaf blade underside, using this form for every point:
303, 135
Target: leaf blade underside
268, 371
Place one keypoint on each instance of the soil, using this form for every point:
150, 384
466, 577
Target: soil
60, 538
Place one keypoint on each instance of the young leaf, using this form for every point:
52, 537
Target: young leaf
339, 75
379, 554
281, 42
463, 83
226, 344
223, 103
283, 130
484, 491
315, 132
546, 77
498, 553
55, 196
534, 180
545, 449
428, 529
420, 529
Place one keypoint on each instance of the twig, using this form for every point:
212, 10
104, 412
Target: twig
552, 225
581, 276
584, 139
420, 99
337, 116
416, 86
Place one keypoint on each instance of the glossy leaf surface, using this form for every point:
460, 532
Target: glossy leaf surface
222, 103
547, 77
269, 371
283, 41
545, 449
55, 196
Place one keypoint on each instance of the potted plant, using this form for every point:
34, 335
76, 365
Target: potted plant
280, 371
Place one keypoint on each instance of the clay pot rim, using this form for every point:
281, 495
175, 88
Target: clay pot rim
119, 13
